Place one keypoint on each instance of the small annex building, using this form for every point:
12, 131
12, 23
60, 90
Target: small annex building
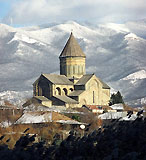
73, 87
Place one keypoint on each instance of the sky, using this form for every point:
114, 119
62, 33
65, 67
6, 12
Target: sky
32, 12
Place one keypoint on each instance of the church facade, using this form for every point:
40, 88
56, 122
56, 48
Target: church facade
73, 87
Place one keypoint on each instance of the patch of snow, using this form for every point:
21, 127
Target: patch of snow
5, 30
34, 117
112, 115
122, 116
132, 118
2, 102
59, 109
137, 27
22, 37
5, 124
117, 106
69, 122
13, 97
117, 27
136, 76
131, 36
141, 101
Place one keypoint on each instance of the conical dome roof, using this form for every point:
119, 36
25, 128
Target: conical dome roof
72, 48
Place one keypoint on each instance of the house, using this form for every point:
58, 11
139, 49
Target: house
73, 87
118, 107
99, 108
38, 100
9, 114
44, 117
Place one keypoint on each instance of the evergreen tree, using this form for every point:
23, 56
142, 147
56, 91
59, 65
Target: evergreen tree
119, 98
116, 98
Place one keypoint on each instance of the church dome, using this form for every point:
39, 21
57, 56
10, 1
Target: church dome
72, 48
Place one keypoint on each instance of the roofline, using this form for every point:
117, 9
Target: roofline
106, 88
87, 81
72, 36
66, 102
50, 81
104, 84
46, 78
37, 80
37, 97
79, 94
71, 56
57, 83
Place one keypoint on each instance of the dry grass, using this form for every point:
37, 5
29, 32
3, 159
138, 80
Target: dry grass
128, 108
10, 115
56, 116
44, 131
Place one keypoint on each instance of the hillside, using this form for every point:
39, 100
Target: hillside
115, 53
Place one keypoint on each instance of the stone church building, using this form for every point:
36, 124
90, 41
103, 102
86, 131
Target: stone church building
73, 87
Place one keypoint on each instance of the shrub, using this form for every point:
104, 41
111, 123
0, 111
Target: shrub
76, 117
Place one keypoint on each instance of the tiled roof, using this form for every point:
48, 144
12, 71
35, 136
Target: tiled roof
66, 99
58, 79
76, 93
43, 117
84, 79
104, 85
72, 48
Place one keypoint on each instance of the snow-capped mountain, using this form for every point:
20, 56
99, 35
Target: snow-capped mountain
115, 53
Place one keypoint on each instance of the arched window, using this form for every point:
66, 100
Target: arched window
58, 91
71, 89
65, 91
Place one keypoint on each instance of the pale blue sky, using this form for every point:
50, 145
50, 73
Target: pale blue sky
30, 12
4, 7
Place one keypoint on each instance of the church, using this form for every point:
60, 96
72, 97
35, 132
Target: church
73, 87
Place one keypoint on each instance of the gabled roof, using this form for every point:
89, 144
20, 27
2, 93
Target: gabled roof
85, 78
36, 81
76, 93
43, 117
34, 117
58, 79
72, 48
104, 85
66, 99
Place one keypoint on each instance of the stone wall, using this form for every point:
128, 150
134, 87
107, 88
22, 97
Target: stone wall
94, 94
72, 66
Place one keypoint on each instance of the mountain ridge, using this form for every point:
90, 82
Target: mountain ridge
113, 53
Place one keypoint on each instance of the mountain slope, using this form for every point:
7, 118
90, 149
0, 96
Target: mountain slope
113, 52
